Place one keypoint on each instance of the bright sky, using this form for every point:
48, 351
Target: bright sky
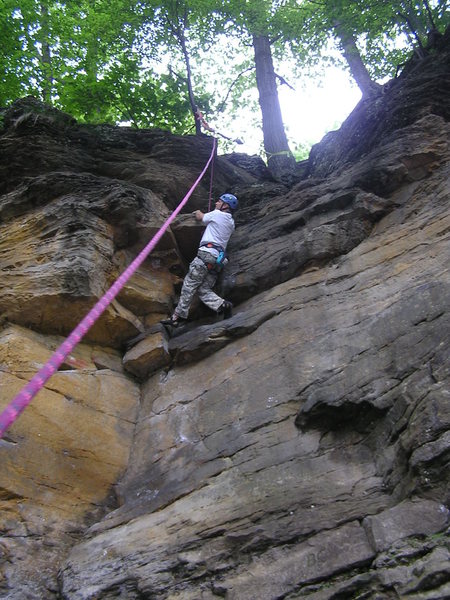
315, 106
309, 111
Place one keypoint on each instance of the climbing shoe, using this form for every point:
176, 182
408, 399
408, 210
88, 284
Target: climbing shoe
227, 309
173, 321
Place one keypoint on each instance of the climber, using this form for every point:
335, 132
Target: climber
208, 263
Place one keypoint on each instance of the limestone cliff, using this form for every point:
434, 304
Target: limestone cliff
297, 450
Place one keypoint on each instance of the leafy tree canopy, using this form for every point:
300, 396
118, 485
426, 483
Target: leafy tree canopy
151, 62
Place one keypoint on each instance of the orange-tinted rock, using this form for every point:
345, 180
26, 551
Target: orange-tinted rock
148, 355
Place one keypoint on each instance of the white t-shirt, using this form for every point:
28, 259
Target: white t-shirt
219, 227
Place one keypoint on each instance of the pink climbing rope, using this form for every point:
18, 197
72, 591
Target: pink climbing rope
24, 397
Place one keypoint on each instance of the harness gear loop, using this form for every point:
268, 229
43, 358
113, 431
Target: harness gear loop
25, 396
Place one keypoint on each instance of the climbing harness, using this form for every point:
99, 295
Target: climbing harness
211, 245
24, 397
221, 259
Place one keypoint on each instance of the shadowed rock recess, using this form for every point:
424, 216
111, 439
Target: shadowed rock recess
299, 449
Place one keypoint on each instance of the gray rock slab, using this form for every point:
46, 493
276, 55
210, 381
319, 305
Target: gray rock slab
278, 572
409, 518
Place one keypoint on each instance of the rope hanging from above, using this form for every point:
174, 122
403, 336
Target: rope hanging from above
211, 181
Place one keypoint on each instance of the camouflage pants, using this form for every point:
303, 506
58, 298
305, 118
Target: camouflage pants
199, 279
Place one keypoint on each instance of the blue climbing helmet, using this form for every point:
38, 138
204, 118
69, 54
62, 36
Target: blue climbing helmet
231, 200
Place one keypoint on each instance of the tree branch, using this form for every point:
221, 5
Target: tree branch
275, 39
283, 81
233, 83
177, 75
430, 15
443, 8
420, 49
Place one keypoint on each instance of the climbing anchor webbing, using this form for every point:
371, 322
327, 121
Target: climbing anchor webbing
281, 153
199, 116
24, 397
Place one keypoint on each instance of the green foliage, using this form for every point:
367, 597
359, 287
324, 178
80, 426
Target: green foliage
94, 70
386, 32
125, 61
301, 150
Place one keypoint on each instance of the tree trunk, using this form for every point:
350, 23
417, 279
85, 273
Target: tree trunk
45, 55
91, 101
194, 107
358, 69
279, 157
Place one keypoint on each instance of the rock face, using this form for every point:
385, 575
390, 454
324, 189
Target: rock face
297, 450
